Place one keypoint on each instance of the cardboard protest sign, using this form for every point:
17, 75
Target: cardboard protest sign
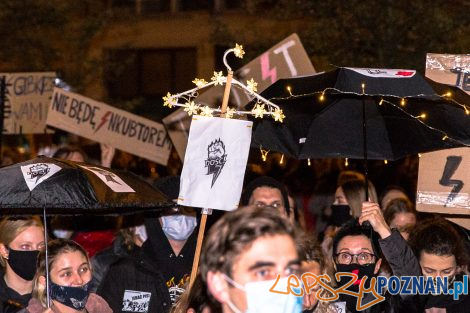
287, 58
450, 69
27, 99
106, 124
444, 182
215, 163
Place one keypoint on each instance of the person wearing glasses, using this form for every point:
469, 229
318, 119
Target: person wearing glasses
361, 250
21, 238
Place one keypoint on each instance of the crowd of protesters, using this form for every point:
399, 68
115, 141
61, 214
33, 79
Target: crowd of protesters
282, 229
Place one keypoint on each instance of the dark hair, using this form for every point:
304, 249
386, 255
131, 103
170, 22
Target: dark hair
310, 250
398, 205
437, 236
265, 181
391, 188
352, 228
235, 232
65, 152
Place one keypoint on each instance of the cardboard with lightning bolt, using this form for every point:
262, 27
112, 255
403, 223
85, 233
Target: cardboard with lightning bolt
27, 100
215, 163
106, 124
444, 185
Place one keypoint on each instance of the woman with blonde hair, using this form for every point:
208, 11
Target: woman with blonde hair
69, 281
21, 238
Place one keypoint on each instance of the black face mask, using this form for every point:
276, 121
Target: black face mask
361, 271
73, 297
23, 263
340, 214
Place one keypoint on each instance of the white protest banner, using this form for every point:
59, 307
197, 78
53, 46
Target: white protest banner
287, 58
27, 99
450, 69
215, 163
106, 124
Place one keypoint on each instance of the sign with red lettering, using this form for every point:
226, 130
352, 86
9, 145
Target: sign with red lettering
286, 59
106, 124
27, 99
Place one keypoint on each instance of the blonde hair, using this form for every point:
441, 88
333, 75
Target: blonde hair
12, 226
55, 248
355, 193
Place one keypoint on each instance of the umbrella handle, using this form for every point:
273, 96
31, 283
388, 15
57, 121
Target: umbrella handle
48, 298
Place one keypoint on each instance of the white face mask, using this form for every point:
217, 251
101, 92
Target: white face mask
62, 233
260, 300
178, 226
141, 232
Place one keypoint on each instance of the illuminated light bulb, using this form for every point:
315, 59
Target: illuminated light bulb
419, 155
448, 94
466, 110
402, 102
281, 161
385, 161
363, 86
322, 97
308, 162
423, 116
381, 101
346, 162
289, 89
264, 154
445, 137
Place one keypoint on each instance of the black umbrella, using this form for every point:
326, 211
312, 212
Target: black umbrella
362, 114
55, 186
67, 188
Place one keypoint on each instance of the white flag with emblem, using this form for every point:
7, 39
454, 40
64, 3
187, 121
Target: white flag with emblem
215, 163
34, 174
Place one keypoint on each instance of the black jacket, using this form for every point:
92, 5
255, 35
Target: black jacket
403, 262
10, 300
151, 280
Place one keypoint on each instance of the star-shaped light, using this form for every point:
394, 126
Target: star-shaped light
278, 115
258, 111
252, 85
230, 112
191, 108
218, 78
206, 111
238, 51
168, 100
199, 82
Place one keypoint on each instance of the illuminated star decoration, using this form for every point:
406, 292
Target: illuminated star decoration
252, 85
258, 111
168, 100
278, 115
206, 111
199, 82
191, 108
238, 51
218, 78
230, 112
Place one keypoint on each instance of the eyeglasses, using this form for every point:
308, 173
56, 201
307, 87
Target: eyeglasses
362, 258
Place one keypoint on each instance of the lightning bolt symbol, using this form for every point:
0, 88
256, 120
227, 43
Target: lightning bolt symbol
104, 119
267, 72
216, 174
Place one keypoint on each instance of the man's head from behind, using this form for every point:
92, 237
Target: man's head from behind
243, 253
265, 191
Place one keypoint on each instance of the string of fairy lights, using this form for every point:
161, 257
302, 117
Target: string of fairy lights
186, 100
322, 95
265, 107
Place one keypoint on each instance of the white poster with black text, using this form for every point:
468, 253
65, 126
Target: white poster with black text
215, 163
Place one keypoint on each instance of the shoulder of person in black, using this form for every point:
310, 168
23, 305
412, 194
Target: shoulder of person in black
10, 300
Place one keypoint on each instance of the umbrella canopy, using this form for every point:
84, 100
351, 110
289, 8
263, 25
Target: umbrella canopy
66, 187
325, 117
